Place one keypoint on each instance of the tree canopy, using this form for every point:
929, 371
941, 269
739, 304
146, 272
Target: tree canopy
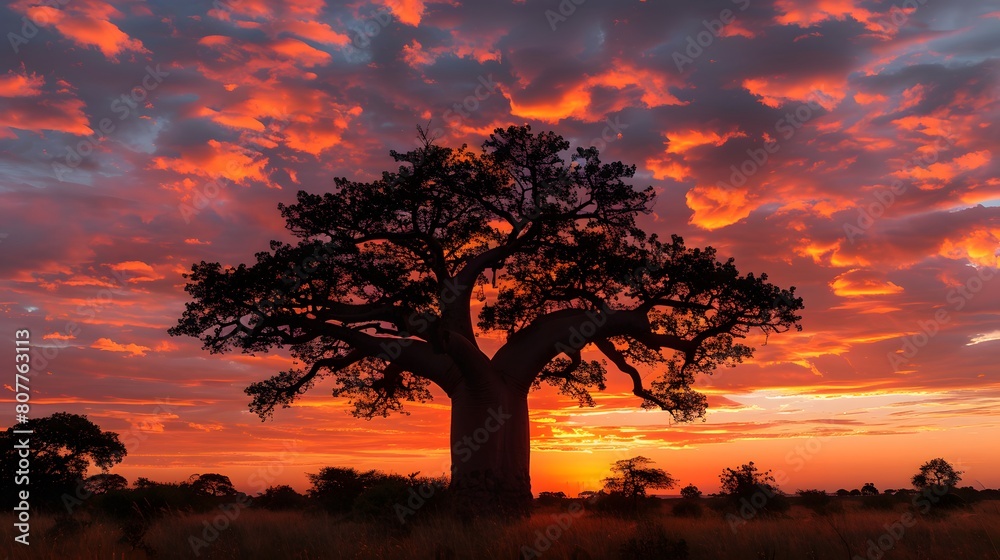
63, 447
377, 292
745, 481
632, 478
937, 472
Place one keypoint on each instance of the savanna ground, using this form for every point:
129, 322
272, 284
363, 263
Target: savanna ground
800, 534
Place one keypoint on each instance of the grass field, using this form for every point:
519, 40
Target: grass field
971, 534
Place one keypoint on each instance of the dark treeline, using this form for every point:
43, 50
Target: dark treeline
65, 445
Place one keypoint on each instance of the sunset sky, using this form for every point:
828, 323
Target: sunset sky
139, 137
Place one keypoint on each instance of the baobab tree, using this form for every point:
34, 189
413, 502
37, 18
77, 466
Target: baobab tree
392, 283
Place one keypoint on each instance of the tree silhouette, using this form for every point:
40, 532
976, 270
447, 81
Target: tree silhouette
63, 446
336, 488
211, 484
937, 472
869, 489
745, 481
280, 497
377, 294
633, 477
690, 492
104, 483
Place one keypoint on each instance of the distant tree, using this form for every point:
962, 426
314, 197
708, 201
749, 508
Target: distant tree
746, 481
211, 484
336, 488
869, 489
748, 486
936, 472
104, 483
855, 492
63, 446
548, 498
143, 482
377, 295
279, 498
586, 494
843, 492
633, 477
888, 491
690, 492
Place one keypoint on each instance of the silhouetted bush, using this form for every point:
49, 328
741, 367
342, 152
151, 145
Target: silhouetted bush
282, 497
211, 484
336, 488
969, 494
816, 500
752, 492
550, 498
152, 500
394, 502
936, 501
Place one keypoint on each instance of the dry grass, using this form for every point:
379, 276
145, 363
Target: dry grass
801, 535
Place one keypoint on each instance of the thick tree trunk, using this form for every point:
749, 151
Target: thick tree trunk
490, 449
